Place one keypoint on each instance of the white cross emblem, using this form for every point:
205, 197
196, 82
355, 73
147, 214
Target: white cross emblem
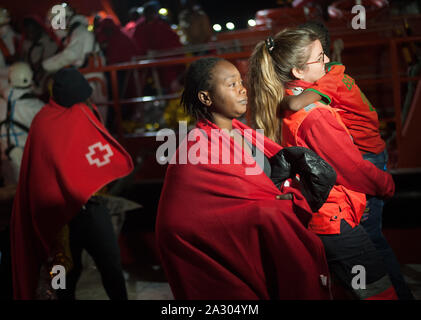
98, 149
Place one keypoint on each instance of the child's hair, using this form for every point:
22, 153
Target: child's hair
198, 77
270, 68
322, 32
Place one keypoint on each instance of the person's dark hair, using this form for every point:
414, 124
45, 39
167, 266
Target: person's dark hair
198, 77
70, 87
322, 32
150, 9
31, 26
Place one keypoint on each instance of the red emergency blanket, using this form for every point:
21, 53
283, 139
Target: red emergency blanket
222, 234
69, 155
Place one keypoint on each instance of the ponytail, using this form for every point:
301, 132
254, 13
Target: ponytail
270, 68
266, 92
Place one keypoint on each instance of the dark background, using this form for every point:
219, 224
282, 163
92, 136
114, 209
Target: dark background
219, 11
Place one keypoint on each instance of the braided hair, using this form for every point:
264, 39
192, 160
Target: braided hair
198, 77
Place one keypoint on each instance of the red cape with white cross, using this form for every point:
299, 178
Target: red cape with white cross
69, 155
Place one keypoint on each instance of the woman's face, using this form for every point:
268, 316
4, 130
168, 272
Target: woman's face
228, 96
315, 66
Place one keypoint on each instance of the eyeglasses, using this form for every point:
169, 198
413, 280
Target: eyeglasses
321, 59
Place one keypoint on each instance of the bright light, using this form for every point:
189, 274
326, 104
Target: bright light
251, 22
217, 27
230, 26
163, 12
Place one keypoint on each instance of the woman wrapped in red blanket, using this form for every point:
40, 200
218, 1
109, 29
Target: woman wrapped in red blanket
224, 228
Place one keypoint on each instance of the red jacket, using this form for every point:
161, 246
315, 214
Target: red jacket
357, 113
157, 35
120, 46
320, 128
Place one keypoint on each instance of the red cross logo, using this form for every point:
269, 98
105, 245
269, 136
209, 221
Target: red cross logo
99, 154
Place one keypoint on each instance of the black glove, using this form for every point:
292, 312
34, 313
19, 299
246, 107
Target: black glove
317, 177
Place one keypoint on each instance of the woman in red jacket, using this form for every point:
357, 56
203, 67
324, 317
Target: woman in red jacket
341, 92
287, 64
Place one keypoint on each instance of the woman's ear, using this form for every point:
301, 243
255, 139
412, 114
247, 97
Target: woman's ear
205, 98
298, 73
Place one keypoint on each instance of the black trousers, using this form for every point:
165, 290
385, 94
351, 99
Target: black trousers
93, 231
347, 253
